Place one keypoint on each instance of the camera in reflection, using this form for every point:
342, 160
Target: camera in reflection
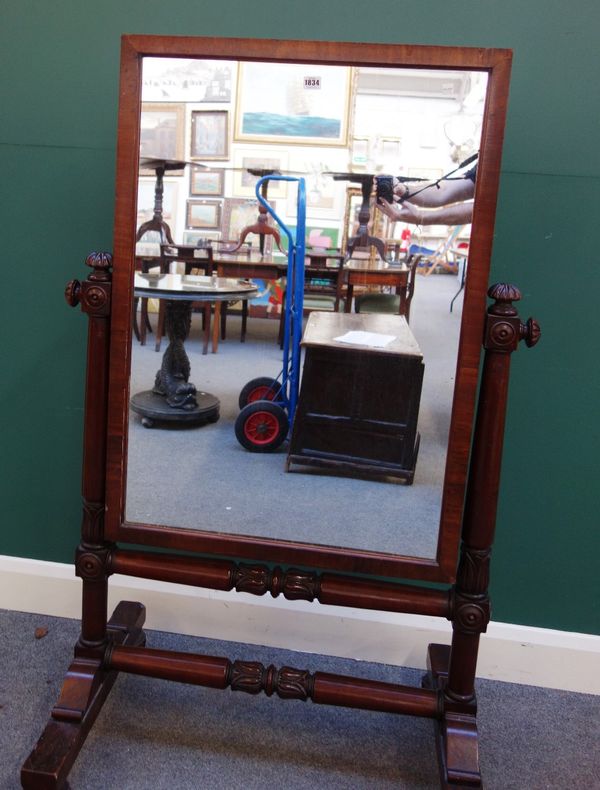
385, 188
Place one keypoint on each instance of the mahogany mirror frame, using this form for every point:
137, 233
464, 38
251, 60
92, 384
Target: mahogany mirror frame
496, 63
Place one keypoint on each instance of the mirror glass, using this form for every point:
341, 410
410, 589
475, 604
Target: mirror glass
220, 119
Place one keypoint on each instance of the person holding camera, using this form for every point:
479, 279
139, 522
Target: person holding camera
444, 202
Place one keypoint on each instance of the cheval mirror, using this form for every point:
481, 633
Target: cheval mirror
381, 490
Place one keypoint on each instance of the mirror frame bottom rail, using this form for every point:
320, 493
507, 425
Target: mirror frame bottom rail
108, 646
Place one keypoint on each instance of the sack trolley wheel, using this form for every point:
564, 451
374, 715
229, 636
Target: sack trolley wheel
262, 426
261, 388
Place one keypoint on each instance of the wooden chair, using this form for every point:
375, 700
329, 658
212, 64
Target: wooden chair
203, 264
322, 283
390, 303
227, 245
147, 258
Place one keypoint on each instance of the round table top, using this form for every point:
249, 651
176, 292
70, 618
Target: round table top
197, 288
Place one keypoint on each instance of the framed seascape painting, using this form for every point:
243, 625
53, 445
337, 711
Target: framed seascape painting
304, 105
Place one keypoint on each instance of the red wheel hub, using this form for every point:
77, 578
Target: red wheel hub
261, 427
261, 393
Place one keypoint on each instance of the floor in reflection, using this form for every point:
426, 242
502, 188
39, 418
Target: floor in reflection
201, 478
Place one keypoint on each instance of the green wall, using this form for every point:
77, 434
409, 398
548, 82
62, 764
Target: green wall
59, 82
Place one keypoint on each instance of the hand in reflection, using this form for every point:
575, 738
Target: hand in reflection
446, 202
401, 212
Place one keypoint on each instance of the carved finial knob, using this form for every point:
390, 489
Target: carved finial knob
99, 260
530, 332
503, 295
72, 292
504, 292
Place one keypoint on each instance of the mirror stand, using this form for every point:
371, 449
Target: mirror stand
107, 646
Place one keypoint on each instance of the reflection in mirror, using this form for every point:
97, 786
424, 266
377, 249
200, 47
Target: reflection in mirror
221, 119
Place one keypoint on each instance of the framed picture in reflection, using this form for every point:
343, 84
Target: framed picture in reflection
203, 214
244, 182
162, 133
146, 200
210, 134
239, 214
193, 237
187, 80
207, 182
306, 105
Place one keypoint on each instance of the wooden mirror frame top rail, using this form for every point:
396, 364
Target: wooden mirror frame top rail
109, 645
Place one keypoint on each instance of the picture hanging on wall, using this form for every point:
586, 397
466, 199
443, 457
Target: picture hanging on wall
317, 237
203, 214
145, 202
206, 182
187, 80
239, 213
305, 105
162, 133
210, 134
193, 237
244, 182
324, 196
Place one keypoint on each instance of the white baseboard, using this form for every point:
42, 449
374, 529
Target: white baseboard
512, 653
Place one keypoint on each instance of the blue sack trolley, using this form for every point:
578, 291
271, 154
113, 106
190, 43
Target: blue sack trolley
268, 405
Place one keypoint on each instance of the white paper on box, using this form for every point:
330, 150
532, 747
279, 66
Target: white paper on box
371, 339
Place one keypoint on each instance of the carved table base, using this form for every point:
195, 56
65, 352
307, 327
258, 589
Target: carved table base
174, 398
153, 407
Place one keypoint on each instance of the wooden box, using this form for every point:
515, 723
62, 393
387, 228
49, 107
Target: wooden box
358, 405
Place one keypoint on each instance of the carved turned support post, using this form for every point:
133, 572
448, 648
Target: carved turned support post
471, 610
470, 604
92, 555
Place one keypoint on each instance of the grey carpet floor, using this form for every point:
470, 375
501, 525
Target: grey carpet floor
158, 735
201, 477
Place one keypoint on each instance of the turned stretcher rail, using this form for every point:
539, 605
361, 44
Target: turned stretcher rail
288, 683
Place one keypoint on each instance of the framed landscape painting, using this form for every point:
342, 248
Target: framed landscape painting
206, 182
203, 214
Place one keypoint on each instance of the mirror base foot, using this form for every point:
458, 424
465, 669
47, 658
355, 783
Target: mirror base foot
52, 758
456, 732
